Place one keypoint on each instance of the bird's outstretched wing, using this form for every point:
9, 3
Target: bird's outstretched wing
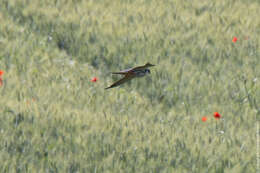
147, 65
127, 77
123, 72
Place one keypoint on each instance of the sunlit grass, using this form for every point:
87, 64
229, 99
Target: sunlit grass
54, 119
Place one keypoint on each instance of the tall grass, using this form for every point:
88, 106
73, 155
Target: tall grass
54, 119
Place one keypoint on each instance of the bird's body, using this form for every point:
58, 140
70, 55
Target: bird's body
131, 73
141, 73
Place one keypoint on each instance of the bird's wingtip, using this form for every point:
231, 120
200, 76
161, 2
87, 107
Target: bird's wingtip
108, 87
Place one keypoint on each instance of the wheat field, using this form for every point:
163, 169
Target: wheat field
53, 118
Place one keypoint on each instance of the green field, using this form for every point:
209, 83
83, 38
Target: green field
54, 119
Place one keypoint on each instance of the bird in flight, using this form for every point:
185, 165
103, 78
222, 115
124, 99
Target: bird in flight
131, 73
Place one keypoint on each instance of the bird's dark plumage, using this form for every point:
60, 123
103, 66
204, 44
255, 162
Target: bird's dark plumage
131, 73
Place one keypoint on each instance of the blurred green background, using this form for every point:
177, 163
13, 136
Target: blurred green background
54, 119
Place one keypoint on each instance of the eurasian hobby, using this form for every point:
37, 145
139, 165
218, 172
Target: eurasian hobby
131, 73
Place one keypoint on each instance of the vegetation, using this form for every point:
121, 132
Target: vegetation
54, 119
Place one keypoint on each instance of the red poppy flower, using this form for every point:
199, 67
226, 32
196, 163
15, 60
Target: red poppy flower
234, 39
217, 115
204, 119
1, 72
94, 79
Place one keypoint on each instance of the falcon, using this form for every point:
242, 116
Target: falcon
131, 73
